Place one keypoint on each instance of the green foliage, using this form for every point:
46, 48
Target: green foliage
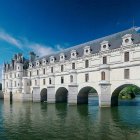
129, 92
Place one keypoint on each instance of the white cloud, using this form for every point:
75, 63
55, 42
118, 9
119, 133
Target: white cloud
59, 47
10, 39
0, 73
26, 45
41, 50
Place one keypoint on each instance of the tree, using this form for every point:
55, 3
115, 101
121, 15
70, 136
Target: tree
129, 92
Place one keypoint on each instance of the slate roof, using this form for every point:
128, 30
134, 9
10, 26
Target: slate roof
115, 41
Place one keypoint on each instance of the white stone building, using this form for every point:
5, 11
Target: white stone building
106, 64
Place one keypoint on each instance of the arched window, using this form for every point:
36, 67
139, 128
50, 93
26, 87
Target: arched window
62, 80
126, 56
102, 75
104, 60
50, 81
35, 82
71, 78
86, 63
62, 68
44, 71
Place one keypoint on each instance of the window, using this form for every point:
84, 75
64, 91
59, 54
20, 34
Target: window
86, 77
126, 40
86, 64
62, 80
51, 69
37, 72
44, 71
126, 56
35, 82
15, 75
71, 78
30, 73
73, 65
44, 81
50, 81
102, 75
30, 83
18, 84
126, 73
15, 83
104, 46
104, 60
62, 68
7, 84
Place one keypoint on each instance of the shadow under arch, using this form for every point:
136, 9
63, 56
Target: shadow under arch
61, 95
11, 97
115, 93
82, 97
43, 95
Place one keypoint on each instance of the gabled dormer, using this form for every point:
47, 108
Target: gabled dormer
127, 40
62, 57
37, 63
104, 45
87, 50
43, 61
30, 65
52, 59
73, 54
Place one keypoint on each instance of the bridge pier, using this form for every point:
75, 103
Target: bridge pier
105, 94
36, 94
72, 95
51, 94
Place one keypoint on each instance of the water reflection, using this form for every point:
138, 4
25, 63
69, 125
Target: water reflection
59, 121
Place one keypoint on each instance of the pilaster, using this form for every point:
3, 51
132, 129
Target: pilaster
51, 94
72, 95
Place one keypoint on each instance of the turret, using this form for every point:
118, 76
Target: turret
32, 56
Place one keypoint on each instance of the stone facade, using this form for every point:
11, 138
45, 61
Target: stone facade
105, 64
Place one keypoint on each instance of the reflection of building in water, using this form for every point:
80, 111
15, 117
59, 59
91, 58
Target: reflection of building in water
107, 64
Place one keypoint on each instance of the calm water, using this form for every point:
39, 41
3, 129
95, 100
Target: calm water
36, 121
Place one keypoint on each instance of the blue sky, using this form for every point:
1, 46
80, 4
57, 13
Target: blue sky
47, 26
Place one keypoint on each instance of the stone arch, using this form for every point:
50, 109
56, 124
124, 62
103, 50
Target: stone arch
82, 97
115, 93
43, 95
61, 95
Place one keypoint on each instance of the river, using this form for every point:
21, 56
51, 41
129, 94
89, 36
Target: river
42, 121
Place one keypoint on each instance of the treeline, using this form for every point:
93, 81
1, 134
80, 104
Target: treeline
129, 92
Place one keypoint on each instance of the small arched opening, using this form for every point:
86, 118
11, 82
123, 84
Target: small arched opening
43, 95
87, 95
61, 95
125, 95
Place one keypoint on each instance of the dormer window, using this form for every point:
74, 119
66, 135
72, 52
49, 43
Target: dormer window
104, 45
37, 63
62, 57
44, 61
52, 59
73, 54
87, 50
127, 40
30, 65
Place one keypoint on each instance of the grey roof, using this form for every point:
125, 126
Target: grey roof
115, 41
